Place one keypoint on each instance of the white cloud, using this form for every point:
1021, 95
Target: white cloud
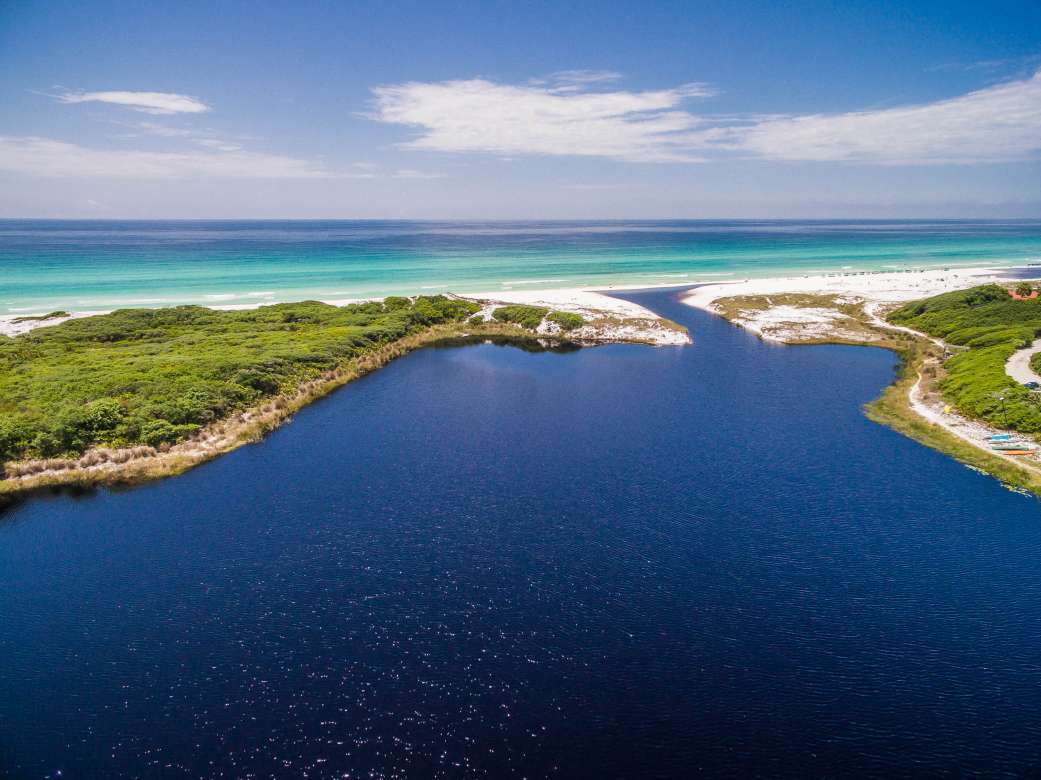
411, 173
148, 102
998, 123
558, 116
154, 128
482, 116
575, 80
47, 157
580, 76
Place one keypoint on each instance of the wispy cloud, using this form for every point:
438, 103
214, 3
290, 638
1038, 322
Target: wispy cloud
47, 157
971, 66
148, 102
575, 80
411, 173
216, 159
997, 123
482, 116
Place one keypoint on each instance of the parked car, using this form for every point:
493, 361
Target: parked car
1032, 385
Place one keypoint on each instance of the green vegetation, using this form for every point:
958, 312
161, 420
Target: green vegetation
992, 325
566, 320
893, 409
529, 317
155, 377
41, 317
1024, 289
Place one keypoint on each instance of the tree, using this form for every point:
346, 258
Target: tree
1023, 289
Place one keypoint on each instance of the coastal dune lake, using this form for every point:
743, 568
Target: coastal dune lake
482, 561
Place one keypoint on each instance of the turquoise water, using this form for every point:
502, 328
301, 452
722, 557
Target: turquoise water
96, 266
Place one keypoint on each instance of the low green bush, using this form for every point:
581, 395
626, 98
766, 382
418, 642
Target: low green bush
529, 317
566, 320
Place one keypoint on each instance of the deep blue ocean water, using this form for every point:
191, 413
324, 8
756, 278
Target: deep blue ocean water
103, 265
622, 561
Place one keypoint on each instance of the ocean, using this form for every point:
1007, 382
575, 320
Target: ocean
485, 562
101, 265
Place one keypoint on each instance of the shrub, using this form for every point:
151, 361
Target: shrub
14, 440
156, 432
566, 320
101, 415
255, 379
529, 317
1023, 289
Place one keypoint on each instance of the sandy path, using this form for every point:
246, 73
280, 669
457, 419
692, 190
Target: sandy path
1018, 366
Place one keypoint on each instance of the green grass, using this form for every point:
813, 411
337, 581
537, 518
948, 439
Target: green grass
992, 326
156, 376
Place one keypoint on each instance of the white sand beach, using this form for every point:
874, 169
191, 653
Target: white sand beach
878, 288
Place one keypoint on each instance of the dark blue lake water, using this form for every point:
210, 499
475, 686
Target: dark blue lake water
485, 562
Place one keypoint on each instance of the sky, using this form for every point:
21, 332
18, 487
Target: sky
520, 110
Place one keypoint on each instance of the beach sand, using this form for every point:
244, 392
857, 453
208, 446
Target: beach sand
875, 288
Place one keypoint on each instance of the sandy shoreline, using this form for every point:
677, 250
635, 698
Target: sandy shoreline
816, 308
613, 319
788, 323
889, 286
874, 286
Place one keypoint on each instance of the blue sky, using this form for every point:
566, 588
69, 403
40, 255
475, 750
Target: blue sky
520, 110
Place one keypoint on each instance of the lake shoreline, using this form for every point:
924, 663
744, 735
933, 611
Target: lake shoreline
101, 466
834, 309
622, 322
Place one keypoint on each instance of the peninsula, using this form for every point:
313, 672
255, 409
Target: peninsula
137, 394
969, 383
